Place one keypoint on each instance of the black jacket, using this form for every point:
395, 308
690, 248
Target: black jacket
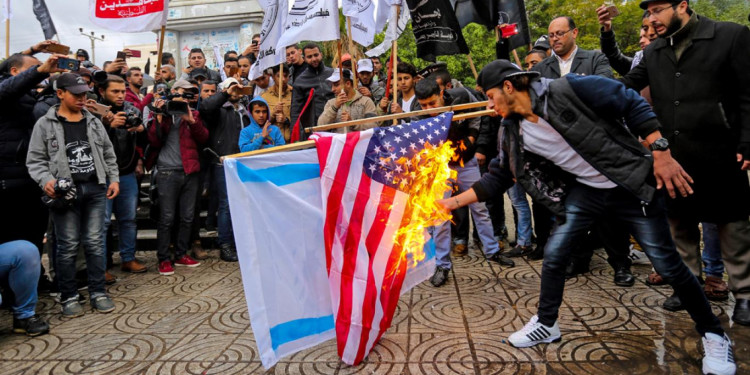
17, 100
224, 123
460, 132
128, 146
585, 62
619, 62
311, 78
587, 112
703, 103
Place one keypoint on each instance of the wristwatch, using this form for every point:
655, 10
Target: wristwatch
661, 144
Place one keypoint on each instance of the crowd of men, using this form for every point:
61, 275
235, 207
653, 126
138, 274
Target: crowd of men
644, 173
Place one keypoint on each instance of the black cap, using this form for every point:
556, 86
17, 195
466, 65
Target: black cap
542, 43
495, 73
82, 52
644, 3
198, 73
432, 68
72, 82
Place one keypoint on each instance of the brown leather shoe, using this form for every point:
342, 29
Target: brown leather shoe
716, 289
109, 278
198, 252
460, 249
133, 266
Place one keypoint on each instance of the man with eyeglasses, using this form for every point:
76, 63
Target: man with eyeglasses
568, 58
698, 73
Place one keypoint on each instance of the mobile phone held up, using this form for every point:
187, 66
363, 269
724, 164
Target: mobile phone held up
613, 11
68, 64
58, 48
509, 30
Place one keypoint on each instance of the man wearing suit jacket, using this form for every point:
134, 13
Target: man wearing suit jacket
567, 57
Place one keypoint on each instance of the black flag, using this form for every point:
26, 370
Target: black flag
494, 12
42, 14
147, 68
436, 29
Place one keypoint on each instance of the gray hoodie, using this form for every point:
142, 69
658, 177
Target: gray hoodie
46, 159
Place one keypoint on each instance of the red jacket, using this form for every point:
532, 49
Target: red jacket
190, 137
132, 97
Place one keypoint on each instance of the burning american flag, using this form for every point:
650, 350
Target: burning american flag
378, 188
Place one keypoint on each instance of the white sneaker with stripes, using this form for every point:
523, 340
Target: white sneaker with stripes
718, 358
534, 333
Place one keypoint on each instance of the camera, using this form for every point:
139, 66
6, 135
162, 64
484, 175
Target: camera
65, 195
132, 120
174, 107
99, 76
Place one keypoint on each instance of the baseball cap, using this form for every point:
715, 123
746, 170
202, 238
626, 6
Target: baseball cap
200, 72
82, 52
184, 84
542, 43
364, 65
496, 72
336, 76
72, 82
346, 57
228, 82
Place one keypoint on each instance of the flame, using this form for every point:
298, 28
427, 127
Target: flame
428, 173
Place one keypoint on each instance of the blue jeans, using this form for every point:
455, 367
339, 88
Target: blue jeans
81, 224
20, 265
713, 265
467, 176
224, 218
584, 206
518, 200
124, 207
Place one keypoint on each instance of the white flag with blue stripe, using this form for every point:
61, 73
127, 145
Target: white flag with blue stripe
277, 215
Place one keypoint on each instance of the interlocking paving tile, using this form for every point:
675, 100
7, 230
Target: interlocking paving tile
196, 322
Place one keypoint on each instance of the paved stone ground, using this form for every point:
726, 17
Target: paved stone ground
196, 322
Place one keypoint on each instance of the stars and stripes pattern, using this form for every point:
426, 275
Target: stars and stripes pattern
363, 179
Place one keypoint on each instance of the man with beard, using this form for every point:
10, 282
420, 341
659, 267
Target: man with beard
197, 62
697, 71
133, 95
168, 76
226, 117
314, 77
368, 87
128, 141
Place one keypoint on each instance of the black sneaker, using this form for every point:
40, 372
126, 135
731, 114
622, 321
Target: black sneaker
518, 251
440, 276
228, 253
32, 326
502, 260
673, 303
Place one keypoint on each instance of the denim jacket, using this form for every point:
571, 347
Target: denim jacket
47, 159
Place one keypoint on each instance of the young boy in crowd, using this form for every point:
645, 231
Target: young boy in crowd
254, 136
70, 143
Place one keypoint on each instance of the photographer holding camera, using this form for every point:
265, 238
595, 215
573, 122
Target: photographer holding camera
174, 135
125, 129
69, 142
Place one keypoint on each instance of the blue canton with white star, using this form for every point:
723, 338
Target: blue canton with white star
389, 144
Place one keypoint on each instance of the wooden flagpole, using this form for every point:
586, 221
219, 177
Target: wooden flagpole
341, 67
311, 143
281, 77
351, 51
7, 37
396, 116
161, 46
394, 60
473, 67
